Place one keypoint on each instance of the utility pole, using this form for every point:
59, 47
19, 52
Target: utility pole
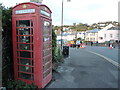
62, 22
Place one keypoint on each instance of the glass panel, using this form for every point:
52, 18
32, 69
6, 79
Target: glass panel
25, 54
24, 46
17, 46
24, 31
17, 23
47, 59
24, 23
31, 23
17, 53
25, 69
31, 31
46, 27
46, 38
46, 45
25, 61
25, 39
17, 39
46, 66
26, 76
47, 52
46, 73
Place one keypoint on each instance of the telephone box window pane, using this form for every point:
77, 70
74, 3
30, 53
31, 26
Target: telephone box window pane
46, 73
31, 23
47, 59
25, 69
47, 66
24, 23
17, 46
25, 54
47, 52
17, 39
25, 61
17, 23
46, 38
24, 31
31, 31
46, 45
46, 27
25, 39
24, 46
26, 76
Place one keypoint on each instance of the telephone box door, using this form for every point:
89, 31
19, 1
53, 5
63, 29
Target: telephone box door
47, 51
23, 43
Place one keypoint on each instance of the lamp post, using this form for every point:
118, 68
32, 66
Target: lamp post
62, 22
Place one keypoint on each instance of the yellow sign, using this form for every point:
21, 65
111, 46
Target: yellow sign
72, 42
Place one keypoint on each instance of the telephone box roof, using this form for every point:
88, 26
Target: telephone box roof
33, 3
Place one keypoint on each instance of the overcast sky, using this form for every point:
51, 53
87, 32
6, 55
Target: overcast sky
78, 11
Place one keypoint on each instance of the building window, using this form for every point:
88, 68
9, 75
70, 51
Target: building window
92, 34
87, 39
118, 35
111, 35
105, 35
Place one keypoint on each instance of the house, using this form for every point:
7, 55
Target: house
66, 36
109, 33
92, 35
81, 35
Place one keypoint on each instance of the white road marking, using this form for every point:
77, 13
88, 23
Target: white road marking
106, 58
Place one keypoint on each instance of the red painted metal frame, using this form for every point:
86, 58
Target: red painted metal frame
37, 51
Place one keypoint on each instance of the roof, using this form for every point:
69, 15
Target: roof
93, 31
33, 3
114, 28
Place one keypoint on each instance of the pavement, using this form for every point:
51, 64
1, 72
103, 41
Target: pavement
82, 69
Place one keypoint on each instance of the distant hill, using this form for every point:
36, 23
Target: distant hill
84, 27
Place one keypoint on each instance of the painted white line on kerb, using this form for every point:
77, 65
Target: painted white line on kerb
108, 59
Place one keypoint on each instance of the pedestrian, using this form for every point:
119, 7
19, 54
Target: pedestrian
91, 43
108, 43
77, 43
97, 43
81, 45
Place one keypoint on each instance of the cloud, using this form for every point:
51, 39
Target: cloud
87, 11
76, 11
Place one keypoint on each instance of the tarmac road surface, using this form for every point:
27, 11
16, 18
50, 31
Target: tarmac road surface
83, 69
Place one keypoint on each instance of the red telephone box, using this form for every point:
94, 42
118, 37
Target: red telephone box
32, 43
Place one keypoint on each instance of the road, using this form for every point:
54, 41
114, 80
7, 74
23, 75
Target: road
105, 51
83, 69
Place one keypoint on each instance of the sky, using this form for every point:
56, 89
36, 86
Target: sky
77, 11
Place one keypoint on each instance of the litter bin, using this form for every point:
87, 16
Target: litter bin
65, 50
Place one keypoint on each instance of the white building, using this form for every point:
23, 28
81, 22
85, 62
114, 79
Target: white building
81, 35
92, 35
66, 36
109, 33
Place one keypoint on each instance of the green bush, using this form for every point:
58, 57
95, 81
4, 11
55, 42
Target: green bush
56, 52
20, 85
57, 56
7, 50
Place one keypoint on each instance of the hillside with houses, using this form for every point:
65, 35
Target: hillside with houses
102, 32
